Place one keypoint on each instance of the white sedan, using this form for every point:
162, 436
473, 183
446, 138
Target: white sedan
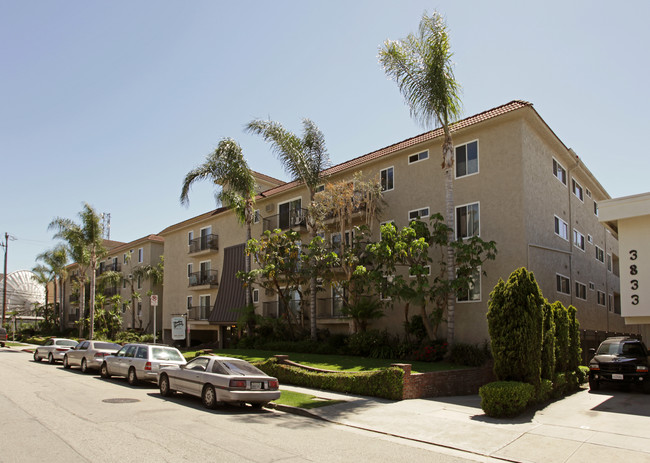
220, 379
89, 355
54, 349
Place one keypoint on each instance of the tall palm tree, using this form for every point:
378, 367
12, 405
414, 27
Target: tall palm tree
422, 67
227, 168
55, 261
85, 244
304, 159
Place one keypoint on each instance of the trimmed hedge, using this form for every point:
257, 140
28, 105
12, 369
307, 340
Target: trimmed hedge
387, 383
502, 399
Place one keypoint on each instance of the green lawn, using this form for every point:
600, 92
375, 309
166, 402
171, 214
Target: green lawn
297, 399
333, 362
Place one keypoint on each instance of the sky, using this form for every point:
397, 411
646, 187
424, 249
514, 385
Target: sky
112, 103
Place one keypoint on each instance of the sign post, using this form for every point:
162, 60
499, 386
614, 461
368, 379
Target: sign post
154, 304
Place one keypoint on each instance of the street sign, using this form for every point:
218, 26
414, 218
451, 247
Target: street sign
154, 300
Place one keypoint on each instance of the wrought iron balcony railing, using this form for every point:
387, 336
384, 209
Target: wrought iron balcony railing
198, 312
204, 243
295, 218
206, 277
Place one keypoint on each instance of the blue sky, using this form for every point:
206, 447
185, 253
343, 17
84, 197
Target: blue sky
112, 103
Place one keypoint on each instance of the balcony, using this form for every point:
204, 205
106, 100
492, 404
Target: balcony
198, 312
112, 267
204, 244
272, 309
204, 279
296, 219
329, 307
109, 292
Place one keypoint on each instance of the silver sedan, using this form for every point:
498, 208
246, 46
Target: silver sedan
220, 379
54, 349
89, 355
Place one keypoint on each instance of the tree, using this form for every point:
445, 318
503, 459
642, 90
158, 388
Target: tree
85, 245
421, 65
227, 168
54, 264
304, 159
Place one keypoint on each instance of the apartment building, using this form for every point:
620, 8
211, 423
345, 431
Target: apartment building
515, 182
123, 258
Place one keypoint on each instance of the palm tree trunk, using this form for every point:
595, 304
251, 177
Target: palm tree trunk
448, 166
82, 305
248, 299
93, 264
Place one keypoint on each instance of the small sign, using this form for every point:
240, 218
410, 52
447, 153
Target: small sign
178, 328
154, 300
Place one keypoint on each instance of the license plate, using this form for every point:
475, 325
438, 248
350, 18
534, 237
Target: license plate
616, 376
256, 386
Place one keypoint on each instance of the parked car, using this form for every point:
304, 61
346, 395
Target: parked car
89, 355
219, 379
139, 362
620, 360
54, 349
3, 337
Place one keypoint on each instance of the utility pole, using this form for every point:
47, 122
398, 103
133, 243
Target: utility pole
4, 283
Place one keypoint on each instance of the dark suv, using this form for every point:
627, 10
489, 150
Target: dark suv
620, 360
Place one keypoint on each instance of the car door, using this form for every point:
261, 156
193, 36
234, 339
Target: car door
45, 349
194, 375
115, 364
139, 359
76, 354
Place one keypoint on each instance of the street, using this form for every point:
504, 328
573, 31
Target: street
56, 415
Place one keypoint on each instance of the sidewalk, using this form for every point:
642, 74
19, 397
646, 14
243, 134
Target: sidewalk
612, 425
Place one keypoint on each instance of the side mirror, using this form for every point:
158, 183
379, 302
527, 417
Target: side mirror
592, 351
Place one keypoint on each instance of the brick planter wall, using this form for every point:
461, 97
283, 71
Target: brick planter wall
444, 383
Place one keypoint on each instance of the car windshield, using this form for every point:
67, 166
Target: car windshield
631, 349
165, 353
106, 345
241, 367
66, 342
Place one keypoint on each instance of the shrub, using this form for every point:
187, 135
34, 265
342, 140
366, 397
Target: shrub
515, 322
561, 316
372, 343
583, 374
387, 383
548, 343
470, 355
506, 398
433, 351
544, 392
559, 385
574, 350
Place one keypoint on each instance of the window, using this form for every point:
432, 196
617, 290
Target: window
189, 270
467, 221
189, 302
139, 309
595, 208
123, 283
577, 190
590, 239
386, 178
581, 291
592, 286
426, 271
126, 259
559, 172
256, 296
562, 284
418, 214
601, 298
204, 307
139, 282
588, 192
473, 292
578, 240
386, 223
386, 283
600, 255
609, 262
467, 159
290, 214
256, 216
418, 157
140, 255
561, 228
190, 237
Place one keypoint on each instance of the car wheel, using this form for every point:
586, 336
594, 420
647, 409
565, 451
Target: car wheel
594, 384
209, 397
50, 358
165, 390
103, 371
84, 365
258, 405
66, 365
36, 357
131, 377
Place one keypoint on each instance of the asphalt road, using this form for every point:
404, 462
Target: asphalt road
56, 415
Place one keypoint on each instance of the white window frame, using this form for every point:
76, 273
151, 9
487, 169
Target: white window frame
575, 186
190, 269
256, 296
595, 208
428, 267
424, 210
601, 298
610, 262
578, 240
565, 227
256, 216
558, 167
600, 252
190, 302
126, 259
478, 157
190, 237
140, 255
478, 232
580, 288
421, 156
472, 289
592, 286
392, 169
389, 280
559, 278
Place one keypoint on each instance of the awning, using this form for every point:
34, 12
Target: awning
231, 295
